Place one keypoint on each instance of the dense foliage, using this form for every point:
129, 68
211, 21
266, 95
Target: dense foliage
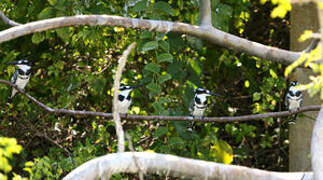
74, 68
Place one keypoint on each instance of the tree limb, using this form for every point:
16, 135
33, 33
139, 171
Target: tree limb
205, 13
116, 85
8, 21
105, 166
164, 118
317, 147
211, 34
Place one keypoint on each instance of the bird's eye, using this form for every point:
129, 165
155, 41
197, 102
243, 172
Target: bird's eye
298, 93
291, 93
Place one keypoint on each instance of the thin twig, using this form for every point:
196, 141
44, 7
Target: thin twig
132, 149
116, 86
7, 20
165, 118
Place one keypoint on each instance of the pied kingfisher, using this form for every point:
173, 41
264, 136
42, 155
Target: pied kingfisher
124, 98
199, 102
293, 100
21, 76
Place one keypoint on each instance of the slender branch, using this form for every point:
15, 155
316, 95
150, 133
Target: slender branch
132, 149
205, 13
165, 118
116, 86
8, 21
105, 166
212, 35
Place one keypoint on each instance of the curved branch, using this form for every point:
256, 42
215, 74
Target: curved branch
170, 165
116, 85
164, 118
210, 34
8, 21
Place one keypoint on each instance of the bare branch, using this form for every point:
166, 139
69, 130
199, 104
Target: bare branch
210, 34
105, 166
317, 147
165, 118
205, 13
116, 86
8, 21
132, 149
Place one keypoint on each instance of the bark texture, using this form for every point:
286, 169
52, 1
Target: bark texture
303, 17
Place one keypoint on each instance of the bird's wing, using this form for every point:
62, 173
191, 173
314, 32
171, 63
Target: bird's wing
191, 108
14, 77
302, 99
286, 101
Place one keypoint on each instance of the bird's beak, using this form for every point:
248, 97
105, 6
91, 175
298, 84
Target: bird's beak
13, 63
215, 94
137, 86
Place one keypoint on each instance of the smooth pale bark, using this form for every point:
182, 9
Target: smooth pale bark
317, 137
303, 17
170, 165
317, 147
210, 34
116, 85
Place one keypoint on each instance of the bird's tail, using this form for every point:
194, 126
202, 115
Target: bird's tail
292, 120
191, 126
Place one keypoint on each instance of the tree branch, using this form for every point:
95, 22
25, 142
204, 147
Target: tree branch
212, 35
205, 14
105, 166
317, 147
164, 118
116, 85
8, 21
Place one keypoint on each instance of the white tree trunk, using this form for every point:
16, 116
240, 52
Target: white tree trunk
169, 165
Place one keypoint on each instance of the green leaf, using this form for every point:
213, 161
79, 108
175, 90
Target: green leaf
165, 7
47, 13
222, 152
146, 35
158, 107
140, 6
63, 33
176, 69
256, 96
152, 67
52, 2
164, 78
160, 131
37, 38
154, 88
175, 141
164, 45
151, 45
164, 57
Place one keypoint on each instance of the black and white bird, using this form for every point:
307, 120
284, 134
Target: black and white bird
21, 76
199, 102
293, 100
124, 98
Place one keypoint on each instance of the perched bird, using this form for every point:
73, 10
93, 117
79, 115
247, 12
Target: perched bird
124, 98
199, 103
21, 76
293, 100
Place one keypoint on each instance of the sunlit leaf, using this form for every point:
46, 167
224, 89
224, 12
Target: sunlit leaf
38, 38
151, 45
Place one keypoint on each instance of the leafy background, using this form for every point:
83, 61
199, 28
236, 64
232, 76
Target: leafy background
74, 69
